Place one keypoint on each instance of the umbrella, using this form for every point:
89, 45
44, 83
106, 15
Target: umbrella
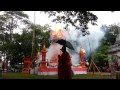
54, 40
64, 43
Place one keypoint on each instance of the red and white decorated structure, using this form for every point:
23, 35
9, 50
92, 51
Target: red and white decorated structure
50, 68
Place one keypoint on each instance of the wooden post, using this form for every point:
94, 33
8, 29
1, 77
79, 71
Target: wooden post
33, 38
94, 66
89, 66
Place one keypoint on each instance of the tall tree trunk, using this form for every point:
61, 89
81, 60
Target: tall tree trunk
11, 30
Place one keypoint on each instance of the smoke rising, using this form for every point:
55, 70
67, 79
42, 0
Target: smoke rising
53, 50
89, 43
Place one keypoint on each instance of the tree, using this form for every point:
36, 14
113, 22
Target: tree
101, 56
41, 33
78, 19
9, 20
23, 42
113, 32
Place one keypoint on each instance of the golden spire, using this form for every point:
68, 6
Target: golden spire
38, 54
44, 47
81, 50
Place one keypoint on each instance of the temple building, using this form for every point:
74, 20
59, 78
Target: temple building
47, 64
114, 51
44, 68
48, 68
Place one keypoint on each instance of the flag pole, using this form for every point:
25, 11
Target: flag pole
33, 38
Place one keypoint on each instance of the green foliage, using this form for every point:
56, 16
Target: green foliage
15, 46
112, 32
101, 55
78, 19
9, 21
23, 42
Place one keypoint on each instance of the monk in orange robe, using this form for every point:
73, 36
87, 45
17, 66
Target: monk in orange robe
64, 65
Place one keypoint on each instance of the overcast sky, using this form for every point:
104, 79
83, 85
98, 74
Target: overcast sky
104, 17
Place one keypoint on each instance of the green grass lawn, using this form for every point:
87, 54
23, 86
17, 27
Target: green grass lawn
27, 76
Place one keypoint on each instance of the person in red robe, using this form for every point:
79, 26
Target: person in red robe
64, 65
